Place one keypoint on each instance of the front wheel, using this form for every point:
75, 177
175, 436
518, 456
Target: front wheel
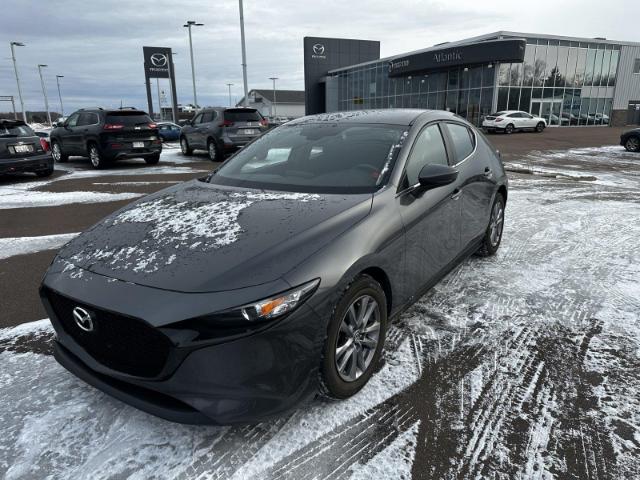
540, 127
184, 146
355, 338
493, 234
56, 153
632, 144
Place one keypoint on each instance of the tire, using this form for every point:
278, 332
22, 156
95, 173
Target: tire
45, 173
509, 129
184, 146
493, 234
56, 153
214, 151
632, 144
353, 348
540, 127
95, 157
153, 159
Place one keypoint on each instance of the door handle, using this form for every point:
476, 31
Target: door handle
456, 194
488, 172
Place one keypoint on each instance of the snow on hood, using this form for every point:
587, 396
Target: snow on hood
201, 228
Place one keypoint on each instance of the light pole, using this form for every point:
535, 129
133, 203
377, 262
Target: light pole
230, 85
173, 105
58, 77
15, 68
189, 24
44, 91
244, 57
273, 79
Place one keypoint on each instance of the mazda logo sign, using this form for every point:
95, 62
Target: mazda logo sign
83, 319
318, 49
159, 59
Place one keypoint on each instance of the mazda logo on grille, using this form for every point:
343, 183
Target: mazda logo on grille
158, 59
318, 49
83, 319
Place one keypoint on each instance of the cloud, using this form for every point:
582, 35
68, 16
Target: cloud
97, 46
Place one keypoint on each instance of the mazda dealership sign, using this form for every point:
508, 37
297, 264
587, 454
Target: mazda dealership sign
156, 61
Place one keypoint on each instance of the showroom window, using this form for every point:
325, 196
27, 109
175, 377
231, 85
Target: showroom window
636, 66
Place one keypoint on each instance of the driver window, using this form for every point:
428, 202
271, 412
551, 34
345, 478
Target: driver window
197, 119
73, 120
428, 148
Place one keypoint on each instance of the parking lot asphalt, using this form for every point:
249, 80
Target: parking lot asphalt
522, 365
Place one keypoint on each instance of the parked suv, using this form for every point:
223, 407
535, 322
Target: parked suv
21, 150
107, 135
219, 130
508, 121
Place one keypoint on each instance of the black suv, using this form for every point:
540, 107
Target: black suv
107, 135
21, 150
220, 130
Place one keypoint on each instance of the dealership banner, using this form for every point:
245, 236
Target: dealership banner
156, 61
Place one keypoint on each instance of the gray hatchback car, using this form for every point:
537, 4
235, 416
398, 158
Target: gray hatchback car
220, 130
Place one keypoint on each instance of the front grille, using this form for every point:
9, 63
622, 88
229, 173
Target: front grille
121, 343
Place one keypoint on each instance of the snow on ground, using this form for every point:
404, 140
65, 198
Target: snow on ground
27, 199
24, 245
522, 365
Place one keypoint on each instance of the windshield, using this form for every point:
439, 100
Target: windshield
323, 158
15, 130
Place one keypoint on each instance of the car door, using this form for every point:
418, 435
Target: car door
82, 130
528, 120
431, 218
69, 136
193, 133
516, 119
476, 180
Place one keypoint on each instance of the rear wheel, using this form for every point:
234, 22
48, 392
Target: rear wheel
215, 154
509, 129
493, 234
56, 153
184, 146
355, 339
97, 160
632, 144
153, 159
540, 127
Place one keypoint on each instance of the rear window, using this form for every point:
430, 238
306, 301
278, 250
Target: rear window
15, 130
128, 119
242, 115
497, 114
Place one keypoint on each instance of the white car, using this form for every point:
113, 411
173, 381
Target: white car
508, 121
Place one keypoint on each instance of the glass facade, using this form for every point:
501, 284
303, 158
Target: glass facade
568, 83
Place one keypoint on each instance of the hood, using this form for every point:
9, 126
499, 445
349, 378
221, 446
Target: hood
198, 237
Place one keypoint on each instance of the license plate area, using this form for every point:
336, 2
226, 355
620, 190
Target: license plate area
138, 144
248, 131
21, 148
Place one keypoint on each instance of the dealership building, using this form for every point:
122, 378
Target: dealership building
569, 81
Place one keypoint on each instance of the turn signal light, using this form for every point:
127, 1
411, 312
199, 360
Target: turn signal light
264, 122
112, 126
227, 123
44, 144
153, 125
498, 120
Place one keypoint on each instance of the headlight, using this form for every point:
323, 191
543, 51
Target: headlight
279, 305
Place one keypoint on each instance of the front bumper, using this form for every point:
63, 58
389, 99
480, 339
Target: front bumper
27, 164
247, 379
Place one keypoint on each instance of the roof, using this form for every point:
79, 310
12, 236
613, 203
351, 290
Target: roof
390, 116
282, 96
483, 38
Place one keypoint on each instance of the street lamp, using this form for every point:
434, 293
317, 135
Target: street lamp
244, 57
189, 24
230, 85
273, 79
58, 77
44, 91
15, 68
171, 87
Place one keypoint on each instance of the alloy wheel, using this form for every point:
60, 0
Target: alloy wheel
633, 144
358, 338
497, 222
56, 153
183, 146
212, 151
94, 156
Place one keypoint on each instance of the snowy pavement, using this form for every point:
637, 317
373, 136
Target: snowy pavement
522, 365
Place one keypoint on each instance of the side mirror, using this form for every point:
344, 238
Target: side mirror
434, 176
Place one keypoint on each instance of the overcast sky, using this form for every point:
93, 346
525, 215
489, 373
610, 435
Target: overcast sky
97, 46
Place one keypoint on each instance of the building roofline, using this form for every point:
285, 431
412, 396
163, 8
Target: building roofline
488, 36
